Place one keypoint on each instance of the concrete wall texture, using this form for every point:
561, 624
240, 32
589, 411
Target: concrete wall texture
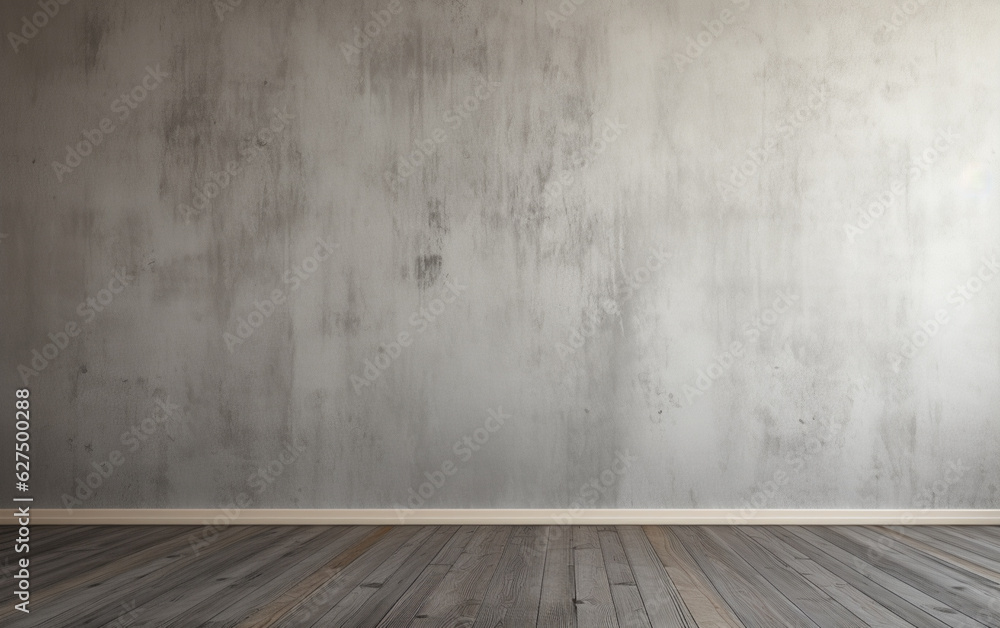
471, 253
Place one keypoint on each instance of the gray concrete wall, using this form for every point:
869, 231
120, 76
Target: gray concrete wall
689, 253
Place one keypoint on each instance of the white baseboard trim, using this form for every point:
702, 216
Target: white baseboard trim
473, 516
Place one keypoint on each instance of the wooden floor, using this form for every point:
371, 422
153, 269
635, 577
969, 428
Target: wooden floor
508, 576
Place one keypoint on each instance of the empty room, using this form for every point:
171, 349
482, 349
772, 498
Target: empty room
482, 313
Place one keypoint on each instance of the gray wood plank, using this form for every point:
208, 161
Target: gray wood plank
817, 605
83, 608
59, 537
46, 537
189, 592
116, 577
457, 599
663, 602
371, 568
866, 608
911, 604
499, 576
926, 542
378, 602
61, 556
753, 599
990, 534
708, 609
513, 593
300, 591
585, 537
967, 593
167, 591
43, 537
556, 607
456, 545
402, 612
59, 565
615, 560
266, 582
966, 538
629, 608
594, 606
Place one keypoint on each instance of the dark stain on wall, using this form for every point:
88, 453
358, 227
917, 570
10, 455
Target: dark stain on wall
95, 29
435, 218
428, 269
535, 267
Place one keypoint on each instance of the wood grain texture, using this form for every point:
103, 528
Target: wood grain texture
629, 608
371, 600
564, 576
864, 607
189, 592
329, 586
752, 598
406, 607
664, 604
455, 546
706, 606
96, 548
297, 593
990, 533
266, 582
965, 592
963, 546
557, 607
66, 553
594, 606
293, 580
50, 555
513, 593
806, 597
457, 599
956, 557
137, 585
117, 576
909, 603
